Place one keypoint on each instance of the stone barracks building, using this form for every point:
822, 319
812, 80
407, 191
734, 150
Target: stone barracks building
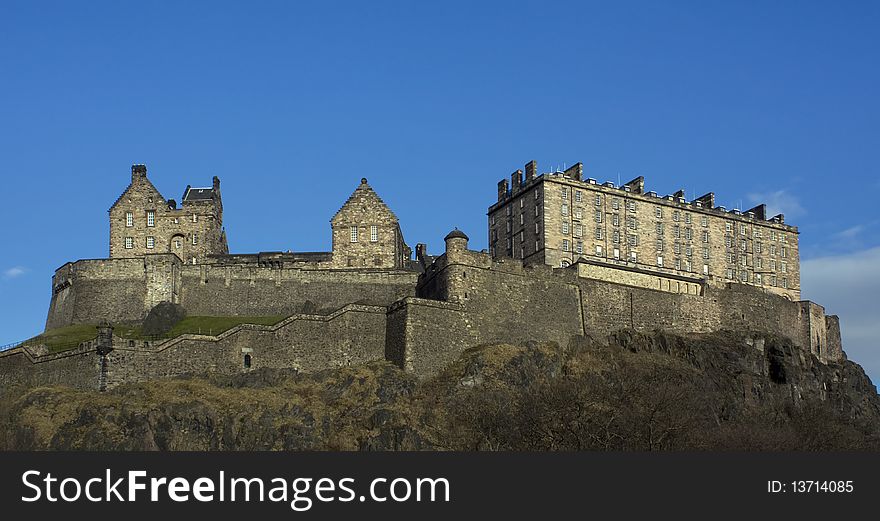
568, 257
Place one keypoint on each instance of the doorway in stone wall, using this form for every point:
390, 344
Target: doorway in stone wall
176, 245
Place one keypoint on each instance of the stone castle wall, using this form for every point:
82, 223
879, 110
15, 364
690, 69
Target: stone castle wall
464, 299
124, 290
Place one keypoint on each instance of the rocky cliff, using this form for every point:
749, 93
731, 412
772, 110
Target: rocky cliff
630, 391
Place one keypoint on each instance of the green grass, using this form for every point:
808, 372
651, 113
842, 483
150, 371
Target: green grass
69, 337
64, 338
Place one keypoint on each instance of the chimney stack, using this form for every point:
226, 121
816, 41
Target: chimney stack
502, 190
138, 171
531, 170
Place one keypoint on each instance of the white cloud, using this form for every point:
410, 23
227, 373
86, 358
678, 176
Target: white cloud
848, 285
778, 202
851, 232
15, 271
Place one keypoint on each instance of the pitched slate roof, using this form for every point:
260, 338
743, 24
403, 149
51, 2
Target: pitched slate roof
198, 194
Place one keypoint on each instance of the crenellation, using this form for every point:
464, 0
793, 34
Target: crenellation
633, 260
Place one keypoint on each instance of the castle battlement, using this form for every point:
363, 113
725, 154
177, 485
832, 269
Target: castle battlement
568, 258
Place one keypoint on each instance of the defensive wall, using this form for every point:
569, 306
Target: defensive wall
126, 289
462, 299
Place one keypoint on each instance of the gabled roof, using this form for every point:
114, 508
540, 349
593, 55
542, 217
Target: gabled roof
362, 194
143, 180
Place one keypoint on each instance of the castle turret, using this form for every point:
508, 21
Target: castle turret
456, 243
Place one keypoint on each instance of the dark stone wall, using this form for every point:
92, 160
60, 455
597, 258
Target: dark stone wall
74, 368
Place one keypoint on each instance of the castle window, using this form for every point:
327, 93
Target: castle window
565, 192
508, 210
536, 194
704, 221
688, 251
521, 219
508, 231
194, 261
728, 242
759, 248
687, 266
705, 269
492, 220
773, 280
598, 200
522, 202
633, 240
536, 210
658, 212
784, 251
785, 282
129, 219
744, 260
731, 258
772, 249
659, 261
743, 245
564, 209
598, 233
705, 253
659, 245
783, 267
578, 230
598, 251
633, 256
758, 279
151, 218
783, 238
659, 228
565, 228
615, 237
374, 233
578, 196
195, 218
728, 227
616, 253
578, 213
566, 245
247, 361
676, 215
705, 236
631, 206
129, 243
744, 276
742, 229
772, 265
537, 228
687, 218
676, 248
759, 263
631, 223
151, 242
730, 273
522, 236
354, 233
565, 263
615, 219
579, 247
537, 245
615, 203
195, 239
678, 264
676, 231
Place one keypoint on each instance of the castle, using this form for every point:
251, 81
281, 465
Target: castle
643, 262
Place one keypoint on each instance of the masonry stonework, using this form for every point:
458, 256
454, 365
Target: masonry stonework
366, 299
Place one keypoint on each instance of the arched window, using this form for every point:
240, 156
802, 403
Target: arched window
247, 361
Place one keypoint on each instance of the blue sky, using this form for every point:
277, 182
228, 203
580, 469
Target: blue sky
291, 103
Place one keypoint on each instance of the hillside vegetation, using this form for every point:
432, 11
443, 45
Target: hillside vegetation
631, 391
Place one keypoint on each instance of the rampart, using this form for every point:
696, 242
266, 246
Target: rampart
420, 322
125, 289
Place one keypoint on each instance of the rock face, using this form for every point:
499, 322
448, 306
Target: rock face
162, 318
631, 391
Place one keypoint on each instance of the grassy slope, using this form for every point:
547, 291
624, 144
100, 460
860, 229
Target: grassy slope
69, 337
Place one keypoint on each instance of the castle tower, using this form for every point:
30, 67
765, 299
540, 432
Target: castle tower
143, 222
366, 233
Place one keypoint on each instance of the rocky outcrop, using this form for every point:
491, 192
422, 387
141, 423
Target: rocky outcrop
631, 391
